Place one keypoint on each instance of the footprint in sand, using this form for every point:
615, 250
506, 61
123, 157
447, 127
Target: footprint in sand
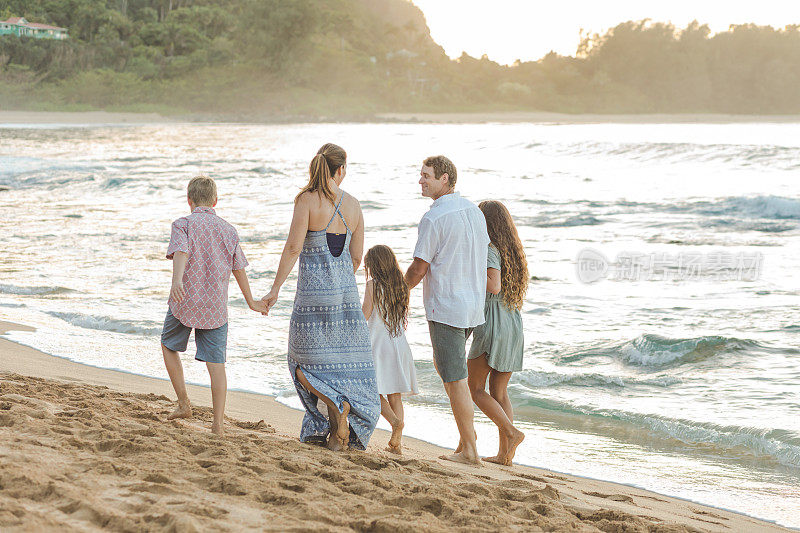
613, 497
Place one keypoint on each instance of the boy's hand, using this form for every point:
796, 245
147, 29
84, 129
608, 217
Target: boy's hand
259, 306
177, 292
270, 299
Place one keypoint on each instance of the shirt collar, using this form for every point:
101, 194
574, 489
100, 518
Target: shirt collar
446, 198
203, 209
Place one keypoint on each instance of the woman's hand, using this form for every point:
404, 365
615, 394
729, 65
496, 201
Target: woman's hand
270, 299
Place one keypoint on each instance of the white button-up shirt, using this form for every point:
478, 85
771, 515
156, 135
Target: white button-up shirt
454, 241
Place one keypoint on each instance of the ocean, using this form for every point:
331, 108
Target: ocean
661, 322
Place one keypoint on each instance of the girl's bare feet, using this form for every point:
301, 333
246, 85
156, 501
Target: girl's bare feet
218, 430
184, 410
397, 434
513, 441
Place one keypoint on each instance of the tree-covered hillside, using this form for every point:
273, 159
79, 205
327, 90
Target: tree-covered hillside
272, 58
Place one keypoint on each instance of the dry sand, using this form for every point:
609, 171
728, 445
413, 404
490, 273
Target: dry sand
540, 117
81, 117
84, 449
536, 117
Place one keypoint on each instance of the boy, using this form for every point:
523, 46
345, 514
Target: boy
204, 250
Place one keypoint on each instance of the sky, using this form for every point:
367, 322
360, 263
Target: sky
507, 30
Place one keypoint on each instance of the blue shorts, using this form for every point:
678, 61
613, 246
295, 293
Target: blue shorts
211, 343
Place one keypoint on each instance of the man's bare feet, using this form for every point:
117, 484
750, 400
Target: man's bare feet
496, 459
184, 410
513, 441
397, 434
342, 427
462, 458
218, 430
461, 444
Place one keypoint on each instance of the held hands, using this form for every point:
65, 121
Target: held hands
259, 306
269, 300
177, 292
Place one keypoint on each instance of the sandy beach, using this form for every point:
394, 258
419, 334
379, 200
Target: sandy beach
85, 448
538, 117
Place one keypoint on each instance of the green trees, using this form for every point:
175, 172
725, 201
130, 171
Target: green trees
360, 56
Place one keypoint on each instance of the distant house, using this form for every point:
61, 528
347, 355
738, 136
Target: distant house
22, 28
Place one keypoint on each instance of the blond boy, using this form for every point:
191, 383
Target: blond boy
205, 251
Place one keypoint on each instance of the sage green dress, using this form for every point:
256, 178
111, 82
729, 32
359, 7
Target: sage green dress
500, 337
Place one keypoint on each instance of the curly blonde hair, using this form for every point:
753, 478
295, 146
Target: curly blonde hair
391, 291
503, 235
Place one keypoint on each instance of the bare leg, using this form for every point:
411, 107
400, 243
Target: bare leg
498, 389
175, 370
340, 431
394, 405
463, 411
219, 390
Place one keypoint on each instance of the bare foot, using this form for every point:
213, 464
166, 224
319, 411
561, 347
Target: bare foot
397, 434
342, 427
398, 450
218, 430
496, 459
335, 444
184, 410
461, 444
462, 458
513, 441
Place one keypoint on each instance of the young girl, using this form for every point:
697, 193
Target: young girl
496, 349
386, 310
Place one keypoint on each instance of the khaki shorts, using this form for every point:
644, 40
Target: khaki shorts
449, 350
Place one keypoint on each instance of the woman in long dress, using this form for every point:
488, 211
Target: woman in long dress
330, 357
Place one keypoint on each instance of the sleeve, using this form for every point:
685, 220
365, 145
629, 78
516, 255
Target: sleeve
427, 241
239, 260
178, 239
493, 258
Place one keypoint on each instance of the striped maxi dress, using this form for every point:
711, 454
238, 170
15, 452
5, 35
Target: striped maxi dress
329, 341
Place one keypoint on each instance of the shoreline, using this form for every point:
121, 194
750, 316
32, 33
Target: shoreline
504, 117
580, 492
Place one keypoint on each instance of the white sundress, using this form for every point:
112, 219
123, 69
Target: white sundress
394, 364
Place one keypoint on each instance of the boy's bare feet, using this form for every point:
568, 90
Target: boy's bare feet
462, 458
218, 430
513, 441
184, 410
392, 449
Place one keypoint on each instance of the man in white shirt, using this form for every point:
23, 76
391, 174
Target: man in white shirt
450, 259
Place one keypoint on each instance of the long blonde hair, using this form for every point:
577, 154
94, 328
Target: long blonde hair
328, 160
391, 290
503, 234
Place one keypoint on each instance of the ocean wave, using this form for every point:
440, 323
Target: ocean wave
558, 220
20, 172
541, 379
742, 155
103, 323
780, 445
649, 350
32, 291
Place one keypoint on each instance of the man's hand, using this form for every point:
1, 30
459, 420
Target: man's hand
416, 272
177, 292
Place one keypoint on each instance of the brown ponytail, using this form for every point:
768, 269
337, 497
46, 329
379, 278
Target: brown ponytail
328, 160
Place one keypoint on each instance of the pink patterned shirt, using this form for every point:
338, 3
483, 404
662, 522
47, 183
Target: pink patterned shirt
213, 249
